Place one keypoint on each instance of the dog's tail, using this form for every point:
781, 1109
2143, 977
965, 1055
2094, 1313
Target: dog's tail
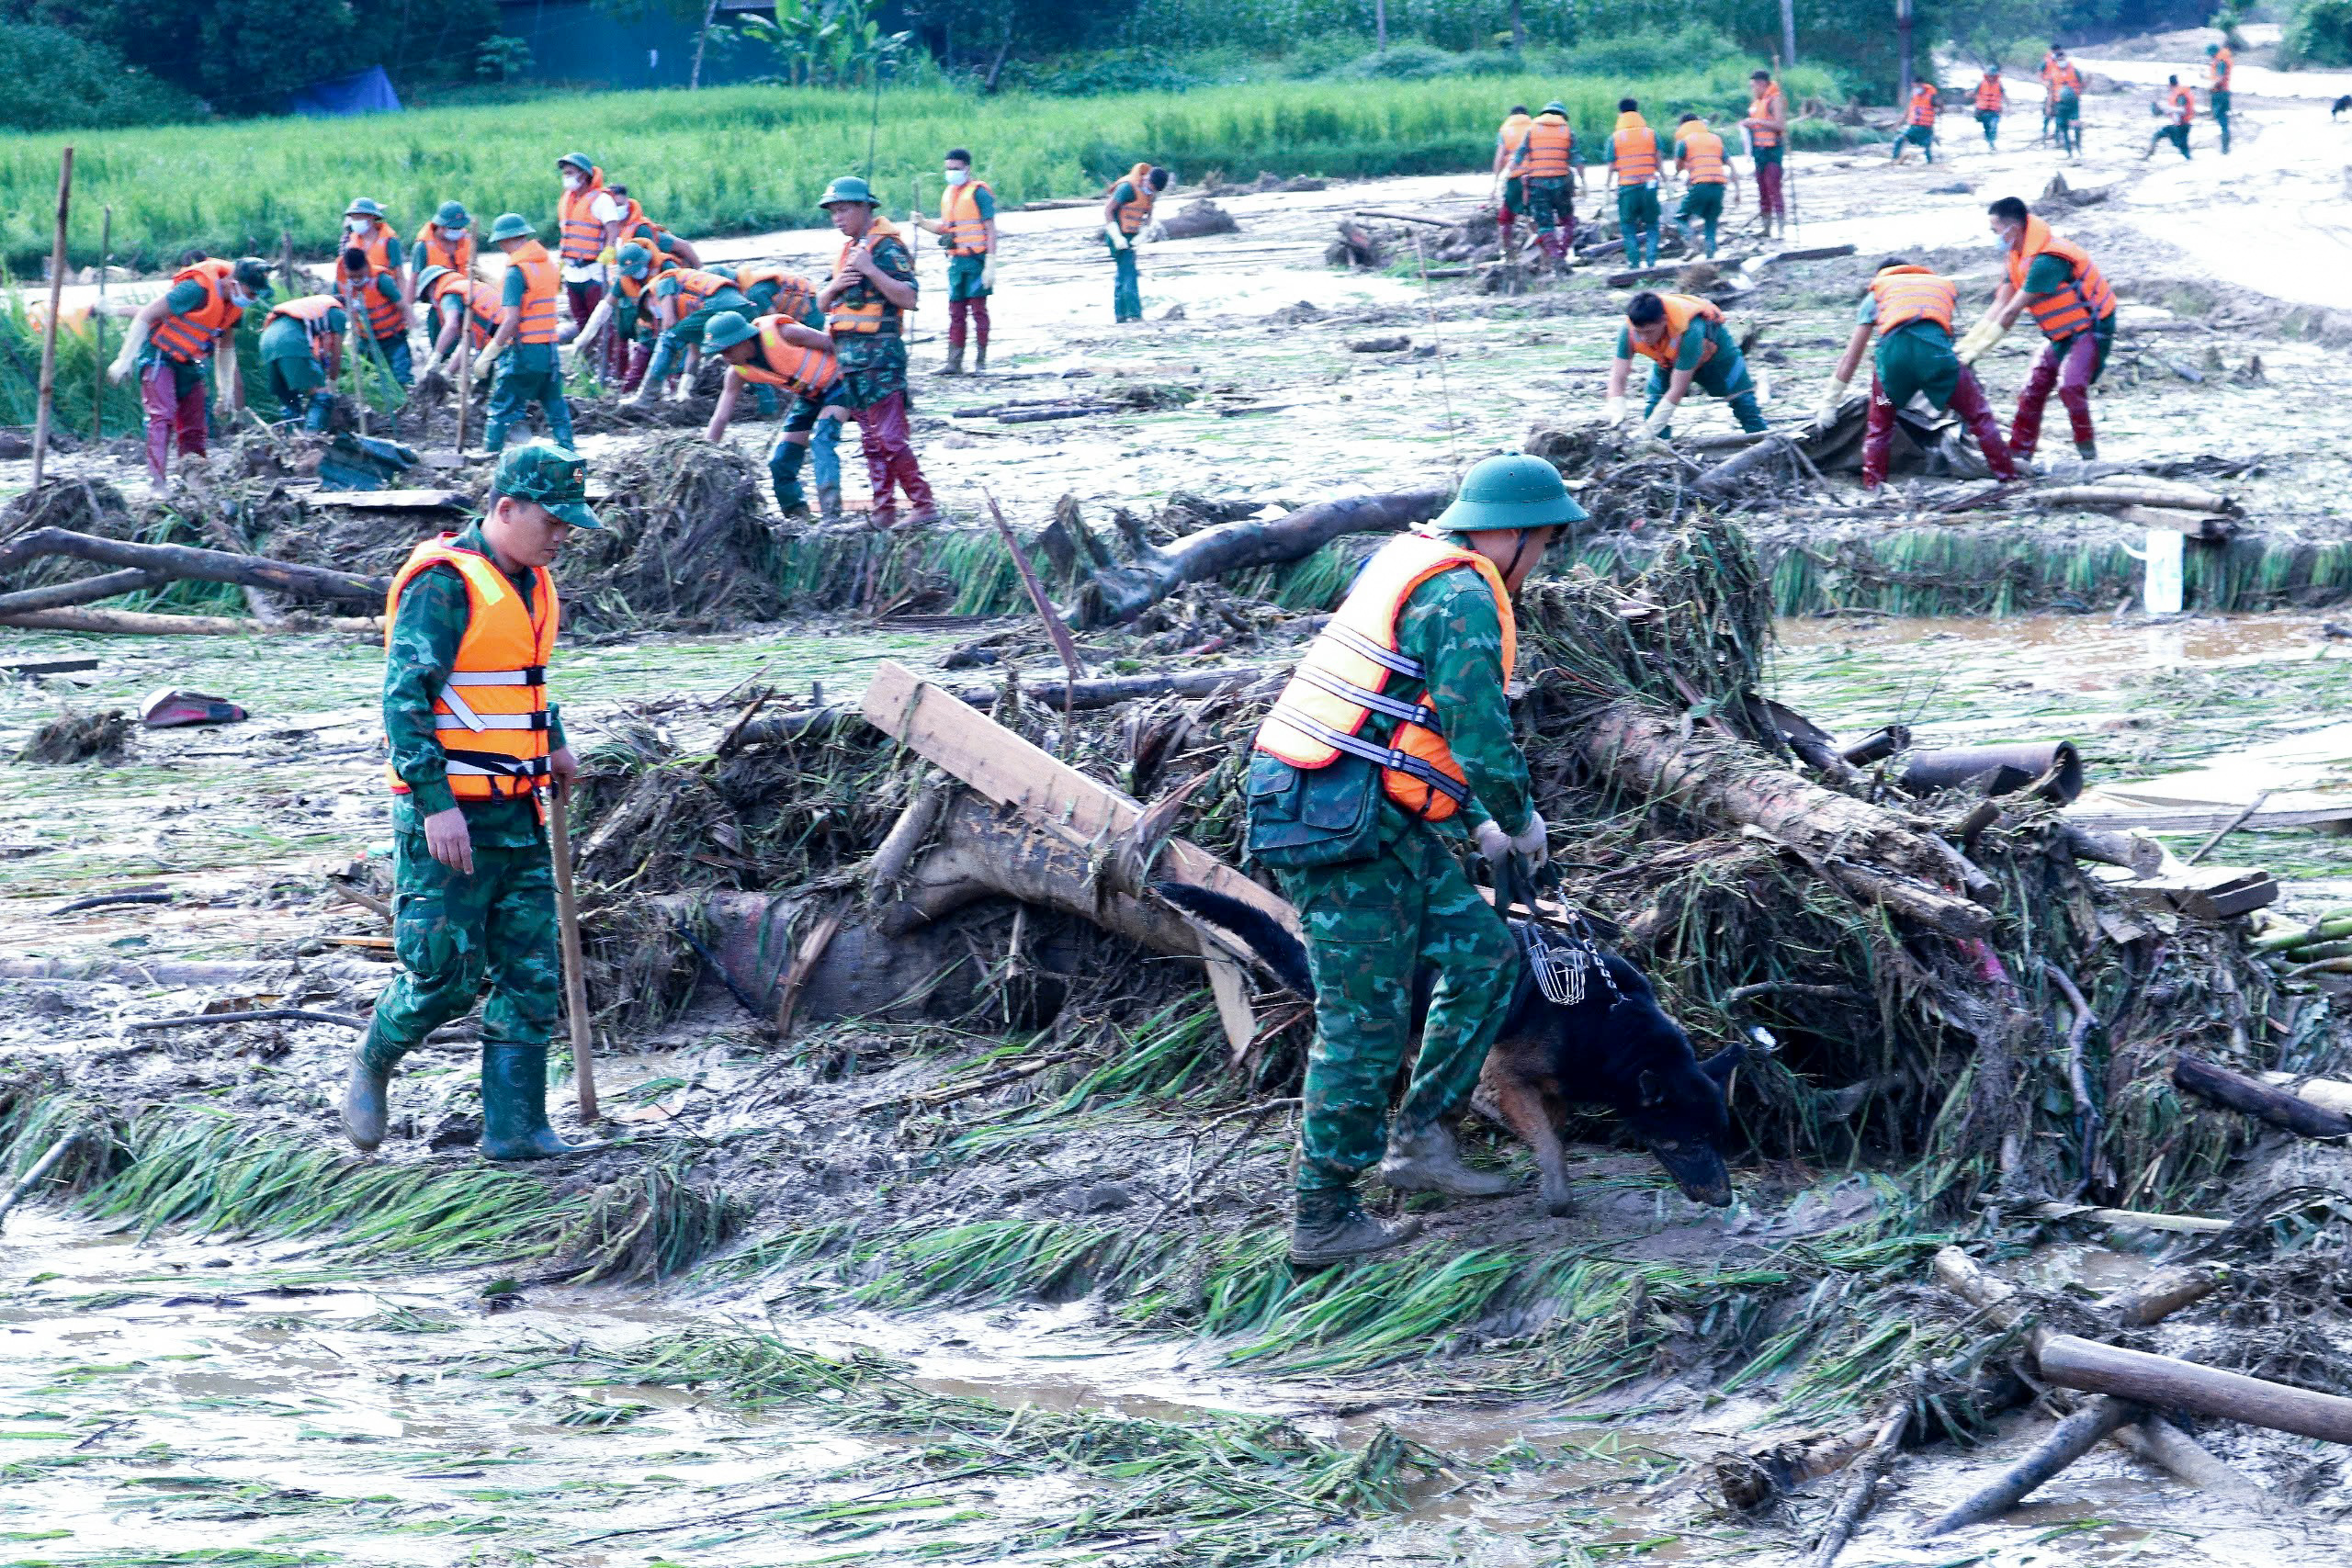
1259, 931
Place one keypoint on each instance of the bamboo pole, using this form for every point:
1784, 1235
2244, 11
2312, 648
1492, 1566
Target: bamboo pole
98, 325
465, 371
48, 334
42, 1167
2169, 1382
575, 989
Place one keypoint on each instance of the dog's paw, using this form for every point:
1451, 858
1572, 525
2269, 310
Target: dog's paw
1559, 1205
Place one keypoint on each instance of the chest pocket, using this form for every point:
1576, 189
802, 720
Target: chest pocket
1301, 816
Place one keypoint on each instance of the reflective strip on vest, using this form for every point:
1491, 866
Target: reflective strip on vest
1923, 105
859, 308
582, 240
1765, 105
1703, 156
795, 292
805, 372
1551, 149
432, 250
1634, 150
1340, 685
492, 717
1990, 94
2083, 303
189, 337
480, 304
1681, 310
695, 288
542, 287
1913, 294
959, 214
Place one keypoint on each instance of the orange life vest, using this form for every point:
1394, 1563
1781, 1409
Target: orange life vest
375, 242
2065, 76
583, 238
959, 213
1507, 139
1923, 104
384, 318
1633, 149
1338, 686
1133, 215
542, 287
1550, 147
859, 308
432, 249
695, 288
492, 717
312, 310
2217, 70
480, 302
1702, 155
1763, 106
1913, 294
1990, 95
189, 337
2081, 304
805, 372
2184, 106
795, 292
1681, 310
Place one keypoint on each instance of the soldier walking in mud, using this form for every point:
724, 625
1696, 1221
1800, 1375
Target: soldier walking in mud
1393, 736
469, 623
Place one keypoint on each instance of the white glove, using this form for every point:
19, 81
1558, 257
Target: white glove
1980, 336
988, 272
1533, 841
1111, 232
1660, 417
1493, 842
1834, 400
1613, 410
120, 370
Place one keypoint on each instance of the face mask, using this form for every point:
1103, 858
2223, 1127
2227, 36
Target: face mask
574, 180
958, 176
453, 235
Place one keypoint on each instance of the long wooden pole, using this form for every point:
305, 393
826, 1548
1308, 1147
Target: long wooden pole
465, 363
49, 335
2171, 1384
98, 325
567, 915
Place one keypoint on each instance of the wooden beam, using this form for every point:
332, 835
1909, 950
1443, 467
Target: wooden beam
2169, 1382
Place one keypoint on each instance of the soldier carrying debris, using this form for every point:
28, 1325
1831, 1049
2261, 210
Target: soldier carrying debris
1686, 342
470, 625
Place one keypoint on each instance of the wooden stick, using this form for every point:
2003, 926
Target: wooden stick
258, 1015
205, 566
59, 595
2067, 1441
567, 916
2258, 1100
2161, 1294
42, 1167
2142, 1217
140, 623
2226, 828
2168, 1382
465, 367
2173, 1452
49, 330
1862, 1490
98, 325
1064, 648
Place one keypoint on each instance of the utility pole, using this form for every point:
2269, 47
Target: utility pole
1903, 41
1789, 30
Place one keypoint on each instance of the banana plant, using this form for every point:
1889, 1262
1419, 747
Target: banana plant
825, 44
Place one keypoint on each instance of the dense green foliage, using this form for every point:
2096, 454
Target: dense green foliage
51, 80
747, 159
2319, 33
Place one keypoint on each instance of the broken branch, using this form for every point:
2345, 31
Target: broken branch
205, 566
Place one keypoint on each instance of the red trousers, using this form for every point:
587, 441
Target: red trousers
171, 413
2070, 367
1967, 401
1769, 201
890, 460
977, 309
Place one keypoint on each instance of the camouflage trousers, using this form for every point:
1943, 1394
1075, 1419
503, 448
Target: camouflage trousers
454, 934
1372, 926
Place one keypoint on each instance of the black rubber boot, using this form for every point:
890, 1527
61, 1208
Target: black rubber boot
365, 1090
2086, 450
1429, 1160
515, 1105
1333, 1227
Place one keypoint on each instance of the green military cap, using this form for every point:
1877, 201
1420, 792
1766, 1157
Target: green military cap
579, 161
364, 207
2212, 49
725, 331
1509, 492
252, 273
551, 476
1557, 108
511, 226
846, 189
453, 215
427, 278
635, 259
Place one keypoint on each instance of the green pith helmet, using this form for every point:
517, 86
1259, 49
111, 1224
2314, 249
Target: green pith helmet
725, 330
1557, 108
1512, 491
634, 259
848, 188
553, 477
511, 226
364, 207
2212, 49
427, 278
453, 215
579, 161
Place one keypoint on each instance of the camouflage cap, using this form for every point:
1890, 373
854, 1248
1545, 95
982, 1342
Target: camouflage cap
551, 476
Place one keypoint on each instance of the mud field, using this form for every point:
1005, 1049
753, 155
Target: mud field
978, 1255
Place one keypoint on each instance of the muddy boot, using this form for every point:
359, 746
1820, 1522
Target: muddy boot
515, 1105
365, 1091
980, 359
1331, 1227
954, 366
829, 504
2086, 450
1430, 1160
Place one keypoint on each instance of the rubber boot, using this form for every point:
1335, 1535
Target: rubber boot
784, 468
979, 359
322, 409
1430, 1160
2086, 450
515, 1104
954, 366
1330, 1227
829, 504
365, 1090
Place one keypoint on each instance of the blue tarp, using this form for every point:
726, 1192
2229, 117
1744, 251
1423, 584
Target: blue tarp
362, 92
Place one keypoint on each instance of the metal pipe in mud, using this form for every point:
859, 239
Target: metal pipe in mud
1999, 769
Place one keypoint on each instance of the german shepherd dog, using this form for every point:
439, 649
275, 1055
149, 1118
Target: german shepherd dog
1612, 1047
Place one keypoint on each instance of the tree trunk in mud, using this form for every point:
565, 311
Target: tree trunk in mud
1862, 849
1122, 593
205, 566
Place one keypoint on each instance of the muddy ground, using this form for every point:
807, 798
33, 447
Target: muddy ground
847, 1299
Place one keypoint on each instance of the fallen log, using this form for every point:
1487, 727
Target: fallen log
86, 591
1733, 471
136, 623
2145, 493
1107, 691
1406, 217
2169, 1382
205, 566
2067, 1441
2238, 1093
1120, 594
2328, 1094
1862, 849
1198, 219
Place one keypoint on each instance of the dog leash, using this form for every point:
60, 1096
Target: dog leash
1558, 966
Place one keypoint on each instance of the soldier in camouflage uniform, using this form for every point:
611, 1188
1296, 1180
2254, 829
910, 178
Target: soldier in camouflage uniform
872, 286
474, 890
1393, 738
